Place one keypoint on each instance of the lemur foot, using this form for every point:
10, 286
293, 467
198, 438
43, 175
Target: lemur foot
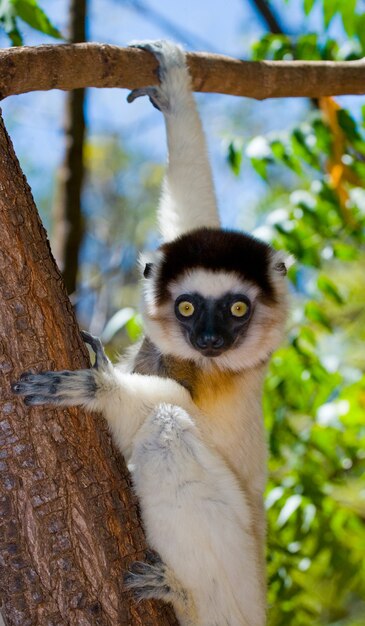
170, 57
153, 579
68, 388
101, 360
148, 579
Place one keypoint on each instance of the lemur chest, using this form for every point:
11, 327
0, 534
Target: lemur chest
228, 409
230, 420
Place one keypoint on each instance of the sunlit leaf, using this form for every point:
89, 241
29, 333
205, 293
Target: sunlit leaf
134, 328
117, 322
290, 506
31, 13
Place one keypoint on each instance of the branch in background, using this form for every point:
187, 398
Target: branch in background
268, 16
71, 66
181, 35
68, 229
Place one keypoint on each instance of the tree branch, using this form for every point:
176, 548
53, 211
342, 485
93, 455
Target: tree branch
71, 66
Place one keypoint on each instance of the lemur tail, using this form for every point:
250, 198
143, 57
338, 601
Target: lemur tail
188, 198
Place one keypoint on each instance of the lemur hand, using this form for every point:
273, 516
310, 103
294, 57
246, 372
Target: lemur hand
68, 388
171, 58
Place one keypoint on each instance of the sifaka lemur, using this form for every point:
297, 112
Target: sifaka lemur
185, 407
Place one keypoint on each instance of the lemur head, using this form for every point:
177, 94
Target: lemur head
216, 297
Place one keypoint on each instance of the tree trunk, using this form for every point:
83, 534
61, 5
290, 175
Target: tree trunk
69, 522
68, 228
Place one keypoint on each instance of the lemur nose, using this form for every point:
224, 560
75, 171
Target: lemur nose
208, 340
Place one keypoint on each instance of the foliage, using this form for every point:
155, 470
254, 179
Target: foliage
315, 391
28, 11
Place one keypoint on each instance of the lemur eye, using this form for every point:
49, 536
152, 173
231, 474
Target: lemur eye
186, 308
239, 308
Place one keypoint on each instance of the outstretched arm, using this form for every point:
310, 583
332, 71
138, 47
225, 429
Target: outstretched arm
188, 198
125, 400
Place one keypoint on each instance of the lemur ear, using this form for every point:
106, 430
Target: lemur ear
147, 270
149, 263
281, 268
282, 262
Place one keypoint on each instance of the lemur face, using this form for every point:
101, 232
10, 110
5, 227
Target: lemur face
216, 297
213, 325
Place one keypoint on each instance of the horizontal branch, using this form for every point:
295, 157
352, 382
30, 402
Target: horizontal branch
70, 66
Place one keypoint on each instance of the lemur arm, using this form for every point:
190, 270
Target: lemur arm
188, 198
124, 399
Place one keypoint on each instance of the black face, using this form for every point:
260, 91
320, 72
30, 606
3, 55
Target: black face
210, 325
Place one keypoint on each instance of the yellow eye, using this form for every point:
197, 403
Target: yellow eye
186, 308
239, 309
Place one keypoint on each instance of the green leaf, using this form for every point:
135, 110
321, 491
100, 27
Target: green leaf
330, 8
347, 9
260, 165
234, 156
134, 328
360, 30
345, 251
348, 125
308, 6
329, 289
307, 47
31, 13
8, 22
315, 314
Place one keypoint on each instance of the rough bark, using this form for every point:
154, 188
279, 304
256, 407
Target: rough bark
72, 66
69, 523
68, 226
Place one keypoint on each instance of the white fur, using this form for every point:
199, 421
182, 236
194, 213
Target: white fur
188, 198
211, 284
183, 487
127, 399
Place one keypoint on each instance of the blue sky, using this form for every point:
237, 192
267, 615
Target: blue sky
35, 120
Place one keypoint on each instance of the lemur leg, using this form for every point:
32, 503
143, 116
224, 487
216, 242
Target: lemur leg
188, 199
198, 520
124, 399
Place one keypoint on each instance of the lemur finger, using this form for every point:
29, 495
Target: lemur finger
101, 360
66, 388
156, 97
